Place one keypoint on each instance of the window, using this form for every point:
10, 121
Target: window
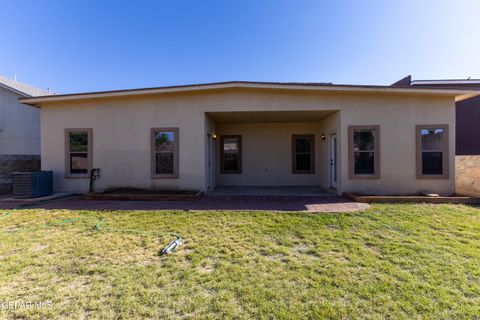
78, 153
303, 153
432, 151
364, 152
164, 153
231, 154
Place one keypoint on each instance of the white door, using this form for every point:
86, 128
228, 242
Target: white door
333, 161
209, 155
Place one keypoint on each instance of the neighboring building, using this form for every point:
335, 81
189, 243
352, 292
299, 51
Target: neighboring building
467, 114
467, 133
19, 131
356, 138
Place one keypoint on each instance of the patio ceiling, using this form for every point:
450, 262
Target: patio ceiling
271, 116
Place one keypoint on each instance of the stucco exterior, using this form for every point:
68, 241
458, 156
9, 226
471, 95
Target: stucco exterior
121, 137
267, 152
19, 137
397, 117
19, 126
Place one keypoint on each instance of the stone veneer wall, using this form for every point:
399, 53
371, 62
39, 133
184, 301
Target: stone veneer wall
467, 175
11, 163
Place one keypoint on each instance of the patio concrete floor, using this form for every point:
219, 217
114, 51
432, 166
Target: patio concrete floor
295, 191
330, 203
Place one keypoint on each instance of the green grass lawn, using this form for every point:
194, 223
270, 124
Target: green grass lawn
391, 261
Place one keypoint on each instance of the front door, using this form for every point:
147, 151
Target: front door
333, 161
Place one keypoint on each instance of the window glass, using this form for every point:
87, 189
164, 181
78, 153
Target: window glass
432, 163
303, 145
432, 139
164, 141
164, 153
79, 163
303, 157
78, 141
164, 163
364, 152
432, 150
364, 162
231, 154
77, 152
303, 162
231, 145
364, 140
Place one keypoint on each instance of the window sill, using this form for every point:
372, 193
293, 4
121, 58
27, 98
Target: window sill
165, 176
79, 176
364, 176
433, 177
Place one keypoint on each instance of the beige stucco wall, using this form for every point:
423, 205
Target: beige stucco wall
19, 126
211, 154
329, 126
468, 175
397, 117
121, 140
267, 154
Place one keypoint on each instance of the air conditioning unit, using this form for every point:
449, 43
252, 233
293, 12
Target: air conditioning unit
32, 184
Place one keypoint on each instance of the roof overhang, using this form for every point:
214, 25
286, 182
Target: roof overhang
457, 93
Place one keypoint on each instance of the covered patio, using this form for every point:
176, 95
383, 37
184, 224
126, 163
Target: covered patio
272, 153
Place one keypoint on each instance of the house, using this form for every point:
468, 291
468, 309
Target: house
19, 131
467, 133
355, 138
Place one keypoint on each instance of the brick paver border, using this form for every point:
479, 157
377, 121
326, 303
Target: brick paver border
240, 203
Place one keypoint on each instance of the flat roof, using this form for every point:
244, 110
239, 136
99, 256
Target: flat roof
459, 94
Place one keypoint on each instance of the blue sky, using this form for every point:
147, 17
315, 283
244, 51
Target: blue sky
74, 46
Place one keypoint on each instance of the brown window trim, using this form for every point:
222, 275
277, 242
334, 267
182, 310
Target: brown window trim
89, 132
445, 152
312, 154
376, 150
239, 171
175, 173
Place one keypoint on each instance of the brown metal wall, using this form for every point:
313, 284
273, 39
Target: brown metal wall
468, 127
